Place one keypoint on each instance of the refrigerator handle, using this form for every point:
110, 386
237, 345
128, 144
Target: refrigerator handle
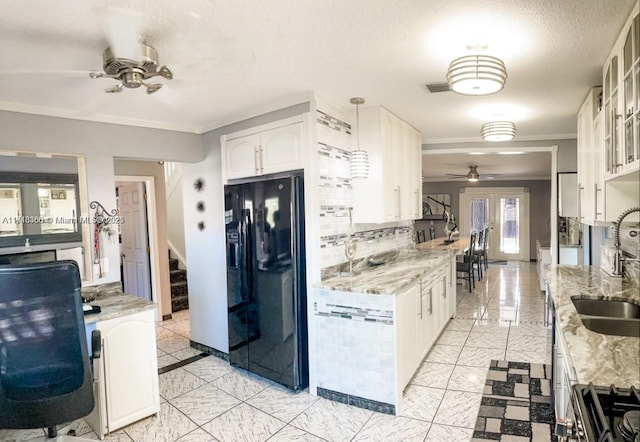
246, 244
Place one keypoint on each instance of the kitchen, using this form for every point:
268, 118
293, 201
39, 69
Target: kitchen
322, 157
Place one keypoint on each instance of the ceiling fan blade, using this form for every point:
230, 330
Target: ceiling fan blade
455, 175
44, 72
123, 32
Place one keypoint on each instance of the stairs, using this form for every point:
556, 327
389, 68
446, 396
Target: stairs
179, 289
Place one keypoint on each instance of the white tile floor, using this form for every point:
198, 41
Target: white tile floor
210, 401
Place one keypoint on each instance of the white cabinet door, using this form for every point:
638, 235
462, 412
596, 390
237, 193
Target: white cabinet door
424, 328
241, 156
406, 326
130, 366
568, 195
417, 174
392, 146
281, 149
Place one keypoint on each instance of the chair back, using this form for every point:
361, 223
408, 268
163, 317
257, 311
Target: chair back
485, 240
45, 376
472, 247
480, 240
420, 236
432, 232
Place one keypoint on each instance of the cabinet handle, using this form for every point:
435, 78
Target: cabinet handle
431, 300
261, 158
595, 200
398, 190
444, 287
420, 296
417, 212
580, 189
256, 159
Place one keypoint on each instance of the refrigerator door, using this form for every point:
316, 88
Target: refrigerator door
238, 262
274, 352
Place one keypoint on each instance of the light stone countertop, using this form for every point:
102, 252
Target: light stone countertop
113, 302
598, 358
400, 268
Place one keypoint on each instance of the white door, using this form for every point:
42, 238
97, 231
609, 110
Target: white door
505, 210
135, 240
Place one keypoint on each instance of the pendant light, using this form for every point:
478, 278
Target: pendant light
359, 157
477, 75
498, 131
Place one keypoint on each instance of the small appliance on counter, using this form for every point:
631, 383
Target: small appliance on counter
604, 414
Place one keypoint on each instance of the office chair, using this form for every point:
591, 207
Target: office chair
45, 374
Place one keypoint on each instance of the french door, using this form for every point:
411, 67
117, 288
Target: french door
505, 211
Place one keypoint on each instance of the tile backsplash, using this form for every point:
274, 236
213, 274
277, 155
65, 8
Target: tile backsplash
336, 198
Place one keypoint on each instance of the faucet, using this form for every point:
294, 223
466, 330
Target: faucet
618, 259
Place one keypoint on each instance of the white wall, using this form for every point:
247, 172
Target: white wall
99, 143
206, 273
175, 214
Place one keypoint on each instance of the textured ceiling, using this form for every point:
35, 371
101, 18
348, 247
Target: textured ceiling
235, 58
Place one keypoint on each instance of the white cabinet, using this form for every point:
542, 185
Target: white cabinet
127, 387
263, 151
422, 312
621, 98
406, 326
394, 149
568, 195
600, 201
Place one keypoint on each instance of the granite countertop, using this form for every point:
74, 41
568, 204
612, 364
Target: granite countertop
399, 268
598, 358
113, 302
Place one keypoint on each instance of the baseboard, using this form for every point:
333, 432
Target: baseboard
210, 350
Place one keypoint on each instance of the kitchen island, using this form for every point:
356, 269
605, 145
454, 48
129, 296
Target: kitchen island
127, 377
369, 331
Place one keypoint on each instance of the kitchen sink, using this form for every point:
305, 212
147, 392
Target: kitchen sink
609, 309
612, 326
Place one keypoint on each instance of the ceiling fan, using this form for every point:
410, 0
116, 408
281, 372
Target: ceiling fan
472, 175
129, 59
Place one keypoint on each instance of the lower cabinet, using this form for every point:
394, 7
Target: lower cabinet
422, 312
127, 376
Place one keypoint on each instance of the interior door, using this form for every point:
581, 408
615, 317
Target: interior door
135, 240
505, 211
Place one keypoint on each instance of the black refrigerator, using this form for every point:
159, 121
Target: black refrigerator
266, 282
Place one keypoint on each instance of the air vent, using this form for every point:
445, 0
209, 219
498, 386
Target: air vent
437, 87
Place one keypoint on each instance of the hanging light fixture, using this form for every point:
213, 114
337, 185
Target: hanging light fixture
498, 131
359, 157
477, 75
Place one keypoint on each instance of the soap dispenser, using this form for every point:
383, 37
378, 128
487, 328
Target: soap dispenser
27, 246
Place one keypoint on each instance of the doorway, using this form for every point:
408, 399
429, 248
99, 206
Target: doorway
505, 212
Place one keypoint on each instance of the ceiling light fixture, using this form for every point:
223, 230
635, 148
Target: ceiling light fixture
477, 75
473, 174
359, 157
498, 131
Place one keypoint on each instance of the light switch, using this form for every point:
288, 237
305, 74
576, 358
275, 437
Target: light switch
105, 265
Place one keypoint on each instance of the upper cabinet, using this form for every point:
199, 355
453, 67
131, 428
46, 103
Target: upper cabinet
263, 150
392, 192
621, 102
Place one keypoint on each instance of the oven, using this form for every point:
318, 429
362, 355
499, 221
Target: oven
603, 414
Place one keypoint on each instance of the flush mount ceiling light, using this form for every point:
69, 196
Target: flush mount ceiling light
498, 131
476, 75
359, 157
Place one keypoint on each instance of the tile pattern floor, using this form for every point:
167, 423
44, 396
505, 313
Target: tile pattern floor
208, 400
516, 404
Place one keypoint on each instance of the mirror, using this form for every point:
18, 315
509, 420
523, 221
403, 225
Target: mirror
40, 200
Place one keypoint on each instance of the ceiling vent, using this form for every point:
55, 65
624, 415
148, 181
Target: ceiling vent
438, 87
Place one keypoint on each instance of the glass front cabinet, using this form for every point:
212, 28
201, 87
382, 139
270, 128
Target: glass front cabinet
621, 101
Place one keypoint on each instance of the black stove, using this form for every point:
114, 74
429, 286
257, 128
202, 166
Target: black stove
606, 414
